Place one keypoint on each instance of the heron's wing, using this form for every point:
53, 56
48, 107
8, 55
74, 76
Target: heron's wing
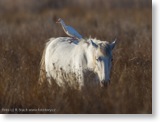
72, 31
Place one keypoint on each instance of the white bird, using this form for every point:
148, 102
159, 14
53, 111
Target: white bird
70, 31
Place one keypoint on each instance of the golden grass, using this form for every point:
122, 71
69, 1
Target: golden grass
23, 34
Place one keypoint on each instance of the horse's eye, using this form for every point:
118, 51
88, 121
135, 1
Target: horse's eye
112, 59
99, 59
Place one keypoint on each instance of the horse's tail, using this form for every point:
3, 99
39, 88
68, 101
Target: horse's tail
42, 74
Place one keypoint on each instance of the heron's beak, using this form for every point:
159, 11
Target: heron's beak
57, 22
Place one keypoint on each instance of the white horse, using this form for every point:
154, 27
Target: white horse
68, 63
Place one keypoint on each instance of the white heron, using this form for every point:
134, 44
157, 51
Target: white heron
70, 31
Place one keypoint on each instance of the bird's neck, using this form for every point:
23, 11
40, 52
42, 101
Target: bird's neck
63, 24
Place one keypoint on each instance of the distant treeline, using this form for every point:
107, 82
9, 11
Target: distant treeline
40, 5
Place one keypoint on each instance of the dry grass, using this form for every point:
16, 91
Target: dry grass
26, 25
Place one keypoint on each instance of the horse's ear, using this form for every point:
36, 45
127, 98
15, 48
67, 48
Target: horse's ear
112, 45
93, 44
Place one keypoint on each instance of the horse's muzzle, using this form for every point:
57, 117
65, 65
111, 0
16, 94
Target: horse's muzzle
104, 83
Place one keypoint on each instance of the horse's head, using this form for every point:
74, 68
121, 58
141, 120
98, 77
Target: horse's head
102, 61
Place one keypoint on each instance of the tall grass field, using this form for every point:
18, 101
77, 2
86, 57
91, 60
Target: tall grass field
25, 27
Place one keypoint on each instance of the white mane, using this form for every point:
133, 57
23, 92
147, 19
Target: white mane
96, 41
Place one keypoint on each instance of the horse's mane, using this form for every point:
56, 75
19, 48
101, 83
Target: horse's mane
102, 44
96, 41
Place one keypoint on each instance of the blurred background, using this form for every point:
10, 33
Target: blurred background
25, 27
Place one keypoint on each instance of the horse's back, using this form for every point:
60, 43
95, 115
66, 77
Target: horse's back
59, 52
60, 49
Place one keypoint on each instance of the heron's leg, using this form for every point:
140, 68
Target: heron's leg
72, 39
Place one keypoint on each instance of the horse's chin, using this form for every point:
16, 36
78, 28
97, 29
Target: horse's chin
104, 83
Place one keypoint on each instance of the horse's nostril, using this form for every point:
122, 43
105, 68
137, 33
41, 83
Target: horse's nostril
102, 83
105, 83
